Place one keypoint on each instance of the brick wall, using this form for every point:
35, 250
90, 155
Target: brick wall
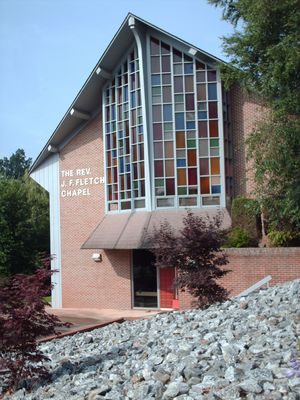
251, 265
86, 283
246, 111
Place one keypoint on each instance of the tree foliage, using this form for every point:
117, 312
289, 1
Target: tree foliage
24, 222
196, 254
15, 166
23, 319
264, 51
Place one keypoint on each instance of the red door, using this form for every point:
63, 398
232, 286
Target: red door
167, 292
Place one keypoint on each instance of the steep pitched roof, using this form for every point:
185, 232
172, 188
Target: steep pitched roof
88, 102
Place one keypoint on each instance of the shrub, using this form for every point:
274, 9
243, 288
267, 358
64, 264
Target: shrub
22, 320
239, 237
283, 238
196, 253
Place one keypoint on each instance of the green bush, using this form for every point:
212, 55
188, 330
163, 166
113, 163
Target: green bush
239, 237
283, 238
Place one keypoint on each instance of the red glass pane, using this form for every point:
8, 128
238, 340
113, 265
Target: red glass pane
169, 151
170, 186
135, 172
154, 44
142, 170
189, 101
213, 109
192, 174
213, 129
199, 65
157, 131
180, 140
128, 181
158, 168
134, 153
202, 129
166, 64
169, 164
158, 150
122, 182
141, 149
192, 159
189, 84
142, 188
204, 185
204, 167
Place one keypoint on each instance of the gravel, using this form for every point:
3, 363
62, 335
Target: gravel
241, 349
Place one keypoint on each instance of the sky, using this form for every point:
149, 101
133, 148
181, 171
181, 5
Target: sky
48, 48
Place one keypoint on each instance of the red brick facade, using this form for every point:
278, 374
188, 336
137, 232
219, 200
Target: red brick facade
107, 284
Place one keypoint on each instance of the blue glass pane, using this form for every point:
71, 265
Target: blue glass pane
120, 134
179, 121
190, 125
107, 130
167, 112
108, 137
132, 67
133, 102
181, 163
121, 165
188, 68
113, 112
216, 189
140, 129
212, 91
155, 79
127, 167
114, 153
202, 115
125, 93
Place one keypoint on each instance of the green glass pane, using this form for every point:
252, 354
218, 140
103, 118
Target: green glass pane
178, 98
121, 143
214, 142
159, 182
191, 144
168, 126
122, 195
182, 190
135, 184
156, 90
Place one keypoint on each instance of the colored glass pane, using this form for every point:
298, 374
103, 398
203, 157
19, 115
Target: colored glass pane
165, 48
169, 150
202, 129
166, 79
213, 129
202, 115
166, 64
188, 201
158, 168
189, 102
179, 107
180, 153
181, 177
215, 166
177, 69
182, 190
201, 92
170, 187
213, 109
211, 76
142, 170
155, 80
155, 65
204, 185
203, 147
179, 121
167, 112
192, 175
159, 182
191, 143
169, 165
180, 140
168, 135
204, 166
158, 150
192, 158
211, 201
214, 152
156, 113
168, 202
181, 163
157, 131
154, 45
177, 56
212, 91
201, 76
193, 190
178, 84
188, 68
199, 65
134, 148
160, 191
179, 98
216, 189
167, 95
214, 142
190, 125
215, 180
189, 83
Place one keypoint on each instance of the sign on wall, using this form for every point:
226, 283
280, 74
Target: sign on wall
78, 182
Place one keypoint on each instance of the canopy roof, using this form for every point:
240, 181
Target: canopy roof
132, 230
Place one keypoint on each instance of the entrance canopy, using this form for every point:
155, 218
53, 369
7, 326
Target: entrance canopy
131, 230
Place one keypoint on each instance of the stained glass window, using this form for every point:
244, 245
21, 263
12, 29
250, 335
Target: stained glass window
124, 138
186, 146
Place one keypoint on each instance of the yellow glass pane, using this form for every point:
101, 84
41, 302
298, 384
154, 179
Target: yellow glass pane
215, 166
180, 140
181, 177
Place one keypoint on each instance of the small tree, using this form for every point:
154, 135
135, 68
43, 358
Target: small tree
197, 255
23, 319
